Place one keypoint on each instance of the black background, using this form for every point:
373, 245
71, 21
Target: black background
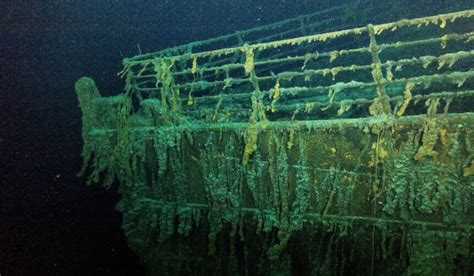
51, 222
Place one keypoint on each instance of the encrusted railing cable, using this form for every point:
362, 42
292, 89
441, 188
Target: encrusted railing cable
378, 29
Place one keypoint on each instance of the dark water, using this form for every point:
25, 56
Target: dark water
51, 223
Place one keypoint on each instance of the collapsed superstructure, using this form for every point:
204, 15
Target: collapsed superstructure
280, 150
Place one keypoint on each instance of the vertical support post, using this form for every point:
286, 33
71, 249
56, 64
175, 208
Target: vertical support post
258, 110
381, 104
240, 39
240, 43
133, 84
303, 29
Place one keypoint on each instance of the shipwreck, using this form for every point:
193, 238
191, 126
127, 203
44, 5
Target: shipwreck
317, 145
